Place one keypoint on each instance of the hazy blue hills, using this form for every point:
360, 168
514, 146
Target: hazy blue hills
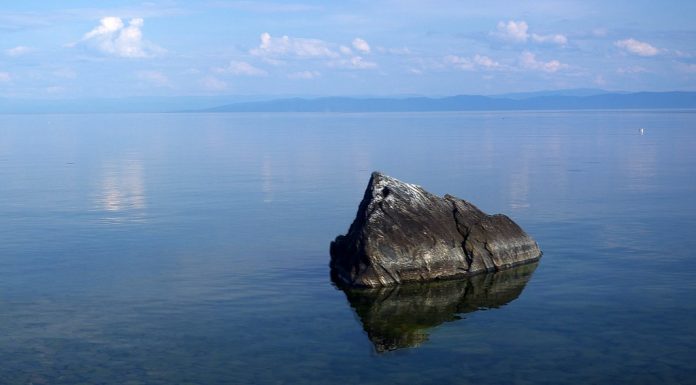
639, 100
567, 92
136, 104
573, 99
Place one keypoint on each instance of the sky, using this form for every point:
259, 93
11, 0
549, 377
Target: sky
117, 49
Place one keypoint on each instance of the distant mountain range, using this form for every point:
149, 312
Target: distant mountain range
573, 99
568, 92
639, 100
135, 104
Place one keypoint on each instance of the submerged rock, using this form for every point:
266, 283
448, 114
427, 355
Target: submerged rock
401, 316
403, 233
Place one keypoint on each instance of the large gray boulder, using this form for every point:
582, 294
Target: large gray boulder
403, 233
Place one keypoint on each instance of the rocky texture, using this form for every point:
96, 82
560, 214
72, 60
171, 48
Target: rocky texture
403, 233
401, 316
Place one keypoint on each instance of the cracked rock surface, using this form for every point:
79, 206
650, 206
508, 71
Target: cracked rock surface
402, 233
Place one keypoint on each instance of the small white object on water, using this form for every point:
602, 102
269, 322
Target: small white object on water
642, 131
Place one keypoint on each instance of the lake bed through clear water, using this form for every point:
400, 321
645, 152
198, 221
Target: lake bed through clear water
193, 249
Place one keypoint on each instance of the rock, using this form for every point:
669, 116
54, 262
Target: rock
403, 233
401, 316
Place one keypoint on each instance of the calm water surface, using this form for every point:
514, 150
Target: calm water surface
193, 249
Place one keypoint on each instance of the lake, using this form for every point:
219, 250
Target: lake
193, 249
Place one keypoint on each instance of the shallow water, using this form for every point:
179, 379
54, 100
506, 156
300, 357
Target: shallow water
193, 248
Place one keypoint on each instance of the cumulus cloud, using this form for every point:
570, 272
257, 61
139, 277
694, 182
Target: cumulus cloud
304, 75
241, 68
486, 62
471, 64
515, 31
554, 39
359, 63
636, 47
529, 61
276, 49
355, 62
361, 45
17, 51
155, 78
113, 37
518, 32
293, 47
459, 62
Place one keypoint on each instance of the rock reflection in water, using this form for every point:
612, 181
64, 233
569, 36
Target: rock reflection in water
400, 316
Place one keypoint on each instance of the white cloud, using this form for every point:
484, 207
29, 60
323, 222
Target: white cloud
395, 51
555, 39
359, 63
486, 62
528, 60
637, 47
273, 49
683, 54
5, 77
631, 70
345, 50
155, 78
113, 37
304, 75
294, 47
107, 25
515, 31
518, 32
17, 51
361, 45
211, 83
241, 68
459, 62
355, 62
471, 64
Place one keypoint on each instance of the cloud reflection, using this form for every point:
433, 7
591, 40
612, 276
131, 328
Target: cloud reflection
640, 164
519, 181
267, 179
122, 194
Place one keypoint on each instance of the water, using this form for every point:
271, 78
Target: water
193, 249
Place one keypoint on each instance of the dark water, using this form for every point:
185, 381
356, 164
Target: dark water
193, 249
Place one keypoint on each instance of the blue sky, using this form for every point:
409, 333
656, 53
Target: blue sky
77, 49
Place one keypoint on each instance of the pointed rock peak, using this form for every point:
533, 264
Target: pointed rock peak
404, 233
